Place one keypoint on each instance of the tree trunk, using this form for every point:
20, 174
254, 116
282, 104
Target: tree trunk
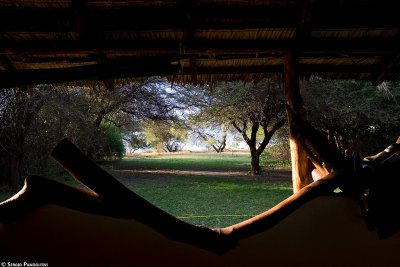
221, 146
15, 168
255, 164
252, 142
15, 163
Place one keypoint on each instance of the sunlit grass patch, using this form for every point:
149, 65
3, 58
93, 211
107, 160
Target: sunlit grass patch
184, 161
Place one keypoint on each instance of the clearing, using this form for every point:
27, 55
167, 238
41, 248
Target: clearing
208, 189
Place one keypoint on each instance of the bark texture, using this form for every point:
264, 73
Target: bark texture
300, 169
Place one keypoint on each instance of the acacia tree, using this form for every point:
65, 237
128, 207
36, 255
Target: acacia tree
136, 140
213, 136
248, 107
18, 109
167, 136
125, 107
33, 120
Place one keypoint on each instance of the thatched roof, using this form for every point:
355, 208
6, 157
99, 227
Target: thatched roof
195, 41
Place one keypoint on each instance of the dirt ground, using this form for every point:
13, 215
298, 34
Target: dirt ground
150, 174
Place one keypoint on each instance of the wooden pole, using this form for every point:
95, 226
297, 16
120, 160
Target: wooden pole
300, 171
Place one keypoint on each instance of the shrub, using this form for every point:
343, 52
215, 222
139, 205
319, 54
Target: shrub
277, 155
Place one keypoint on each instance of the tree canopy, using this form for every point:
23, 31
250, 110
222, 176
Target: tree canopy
247, 107
164, 136
33, 120
354, 115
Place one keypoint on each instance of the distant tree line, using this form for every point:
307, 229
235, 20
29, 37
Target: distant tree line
149, 113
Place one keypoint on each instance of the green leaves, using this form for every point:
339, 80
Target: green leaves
164, 135
354, 114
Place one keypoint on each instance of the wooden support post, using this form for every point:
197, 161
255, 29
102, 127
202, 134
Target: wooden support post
300, 171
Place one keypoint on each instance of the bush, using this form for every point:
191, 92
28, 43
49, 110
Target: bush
278, 153
103, 144
276, 156
113, 146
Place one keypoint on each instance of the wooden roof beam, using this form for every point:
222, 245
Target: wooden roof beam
140, 18
203, 46
35, 20
303, 68
57, 59
233, 70
204, 16
99, 72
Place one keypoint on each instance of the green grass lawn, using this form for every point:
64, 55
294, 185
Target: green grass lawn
204, 197
208, 200
209, 196
184, 161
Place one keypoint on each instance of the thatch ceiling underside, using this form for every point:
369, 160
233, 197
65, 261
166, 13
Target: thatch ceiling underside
196, 41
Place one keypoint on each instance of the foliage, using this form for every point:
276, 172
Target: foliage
167, 136
112, 145
33, 120
279, 150
247, 107
214, 137
136, 141
354, 115
18, 109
